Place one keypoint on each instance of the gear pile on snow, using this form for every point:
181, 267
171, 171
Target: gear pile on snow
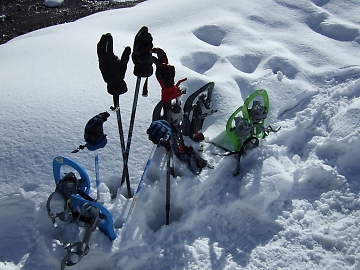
184, 121
188, 121
71, 203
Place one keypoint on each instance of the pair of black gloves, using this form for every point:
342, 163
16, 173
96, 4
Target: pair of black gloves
113, 71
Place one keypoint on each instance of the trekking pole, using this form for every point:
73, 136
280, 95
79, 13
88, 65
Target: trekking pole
116, 100
97, 177
167, 111
113, 72
147, 166
142, 59
126, 151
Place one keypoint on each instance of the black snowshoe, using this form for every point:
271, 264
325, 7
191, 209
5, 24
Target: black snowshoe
182, 125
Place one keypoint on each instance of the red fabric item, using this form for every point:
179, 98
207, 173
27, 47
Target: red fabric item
165, 75
167, 94
171, 92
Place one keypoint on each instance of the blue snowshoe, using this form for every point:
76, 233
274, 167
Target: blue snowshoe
70, 202
75, 193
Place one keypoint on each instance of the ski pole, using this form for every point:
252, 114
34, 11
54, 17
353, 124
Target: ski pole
125, 175
116, 100
167, 111
148, 163
97, 177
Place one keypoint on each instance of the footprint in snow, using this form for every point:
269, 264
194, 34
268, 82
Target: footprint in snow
287, 67
340, 31
320, 3
199, 62
210, 34
245, 63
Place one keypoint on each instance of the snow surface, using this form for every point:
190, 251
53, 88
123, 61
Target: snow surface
295, 204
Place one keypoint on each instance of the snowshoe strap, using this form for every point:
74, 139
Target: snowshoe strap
187, 154
89, 215
242, 128
178, 144
237, 154
258, 112
176, 113
244, 147
204, 105
270, 129
62, 216
196, 163
71, 185
264, 131
201, 110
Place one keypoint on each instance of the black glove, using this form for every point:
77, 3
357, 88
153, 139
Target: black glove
142, 56
160, 133
112, 68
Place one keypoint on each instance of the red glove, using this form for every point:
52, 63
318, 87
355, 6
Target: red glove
165, 74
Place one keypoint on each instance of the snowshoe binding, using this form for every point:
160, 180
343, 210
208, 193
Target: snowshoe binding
197, 112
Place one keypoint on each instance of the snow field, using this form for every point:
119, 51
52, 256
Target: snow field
295, 204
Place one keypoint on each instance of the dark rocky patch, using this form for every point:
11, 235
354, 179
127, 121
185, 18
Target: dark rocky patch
18, 17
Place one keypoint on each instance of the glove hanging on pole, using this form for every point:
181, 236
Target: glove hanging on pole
165, 75
142, 56
112, 68
113, 72
94, 133
160, 133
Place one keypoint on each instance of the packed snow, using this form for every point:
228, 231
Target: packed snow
295, 203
